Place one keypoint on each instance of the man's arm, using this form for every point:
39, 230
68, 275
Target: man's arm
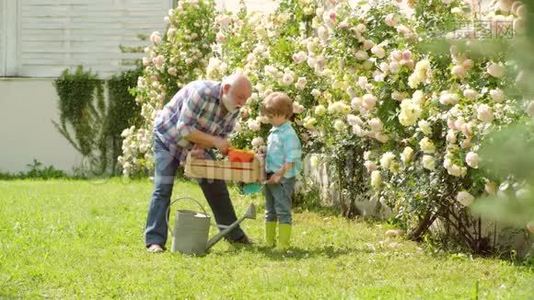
205, 140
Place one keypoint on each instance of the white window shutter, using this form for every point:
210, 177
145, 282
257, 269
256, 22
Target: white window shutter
55, 35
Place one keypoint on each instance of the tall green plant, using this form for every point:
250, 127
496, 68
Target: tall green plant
82, 113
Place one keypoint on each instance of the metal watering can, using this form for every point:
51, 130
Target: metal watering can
191, 229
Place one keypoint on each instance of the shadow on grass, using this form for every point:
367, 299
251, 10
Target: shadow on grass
293, 253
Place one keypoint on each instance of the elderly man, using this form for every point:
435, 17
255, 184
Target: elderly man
200, 116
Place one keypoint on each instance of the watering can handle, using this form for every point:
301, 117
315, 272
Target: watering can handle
176, 200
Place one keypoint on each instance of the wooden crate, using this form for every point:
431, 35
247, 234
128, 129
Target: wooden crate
225, 170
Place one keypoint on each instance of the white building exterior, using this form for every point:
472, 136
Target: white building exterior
41, 38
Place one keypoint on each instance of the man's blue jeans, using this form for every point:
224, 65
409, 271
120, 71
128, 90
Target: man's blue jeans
215, 191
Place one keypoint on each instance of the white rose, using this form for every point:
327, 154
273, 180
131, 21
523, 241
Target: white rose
496, 70
465, 198
361, 55
220, 37
320, 110
301, 83
455, 170
155, 37
257, 142
322, 33
378, 51
369, 101
300, 57
424, 126
339, 125
370, 166
458, 71
309, 122
427, 146
376, 179
451, 136
254, 125
391, 20
497, 95
447, 98
172, 71
472, 160
297, 107
356, 102
354, 120
287, 79
429, 162
315, 93
407, 155
471, 94
376, 125
386, 159
484, 113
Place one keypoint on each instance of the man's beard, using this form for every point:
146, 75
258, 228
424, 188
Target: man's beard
229, 104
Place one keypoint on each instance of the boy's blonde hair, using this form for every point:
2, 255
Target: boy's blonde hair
277, 104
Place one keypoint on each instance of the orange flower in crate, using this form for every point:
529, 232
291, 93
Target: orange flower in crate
238, 155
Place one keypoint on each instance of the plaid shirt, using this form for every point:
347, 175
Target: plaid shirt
198, 106
283, 146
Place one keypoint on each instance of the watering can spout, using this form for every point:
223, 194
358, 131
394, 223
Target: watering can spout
250, 214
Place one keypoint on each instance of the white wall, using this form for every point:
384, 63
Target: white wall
27, 107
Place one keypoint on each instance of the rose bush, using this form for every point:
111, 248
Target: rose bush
412, 117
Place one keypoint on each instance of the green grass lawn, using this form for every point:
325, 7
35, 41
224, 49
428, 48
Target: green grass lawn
83, 239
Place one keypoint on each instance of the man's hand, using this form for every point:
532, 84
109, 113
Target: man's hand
198, 152
222, 145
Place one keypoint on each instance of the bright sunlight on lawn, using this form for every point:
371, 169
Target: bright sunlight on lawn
66, 239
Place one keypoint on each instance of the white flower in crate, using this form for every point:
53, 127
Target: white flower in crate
465, 198
484, 113
301, 83
320, 110
497, 95
496, 70
386, 160
339, 125
407, 155
427, 146
429, 162
472, 159
425, 127
376, 179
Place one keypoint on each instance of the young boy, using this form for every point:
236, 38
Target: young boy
282, 164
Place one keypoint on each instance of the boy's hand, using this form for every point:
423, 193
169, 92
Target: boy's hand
274, 179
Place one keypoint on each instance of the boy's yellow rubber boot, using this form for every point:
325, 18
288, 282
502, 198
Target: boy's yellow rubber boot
284, 234
270, 234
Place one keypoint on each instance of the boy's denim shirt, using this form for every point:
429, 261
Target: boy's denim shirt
283, 146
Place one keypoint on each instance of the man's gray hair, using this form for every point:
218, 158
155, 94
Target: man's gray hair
234, 78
